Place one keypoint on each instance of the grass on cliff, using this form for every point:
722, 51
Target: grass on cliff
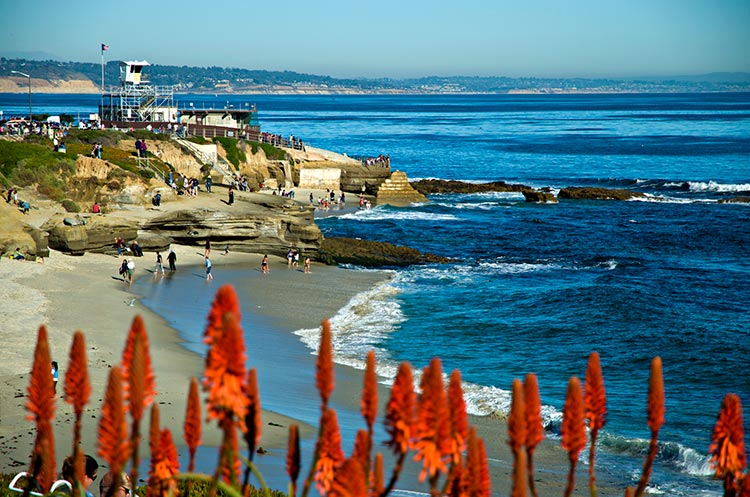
272, 153
235, 155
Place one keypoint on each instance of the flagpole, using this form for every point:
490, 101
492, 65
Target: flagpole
101, 104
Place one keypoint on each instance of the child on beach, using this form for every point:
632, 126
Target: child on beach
209, 276
159, 264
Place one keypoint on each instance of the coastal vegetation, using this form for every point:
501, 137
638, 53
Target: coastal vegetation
431, 427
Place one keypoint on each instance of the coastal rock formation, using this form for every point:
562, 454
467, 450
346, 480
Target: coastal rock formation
16, 233
96, 235
373, 254
735, 200
589, 193
428, 186
543, 196
254, 223
396, 190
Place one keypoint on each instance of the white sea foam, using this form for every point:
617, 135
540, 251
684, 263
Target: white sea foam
671, 200
712, 186
379, 214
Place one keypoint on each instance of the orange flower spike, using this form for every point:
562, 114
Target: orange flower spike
520, 476
113, 430
41, 406
595, 409
369, 404
77, 385
473, 464
324, 376
137, 369
433, 422
293, 458
193, 427
595, 399
656, 396
41, 394
399, 417
655, 421
378, 476
573, 429
140, 377
225, 301
330, 455
517, 419
349, 480
164, 466
573, 426
253, 419
225, 379
534, 424
459, 420
728, 439
361, 451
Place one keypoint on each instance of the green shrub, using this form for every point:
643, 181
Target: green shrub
272, 153
70, 206
198, 139
235, 155
104, 137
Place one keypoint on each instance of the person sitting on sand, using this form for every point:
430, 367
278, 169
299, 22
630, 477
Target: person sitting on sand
95, 208
18, 256
108, 487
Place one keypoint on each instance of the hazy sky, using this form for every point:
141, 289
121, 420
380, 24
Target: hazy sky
395, 38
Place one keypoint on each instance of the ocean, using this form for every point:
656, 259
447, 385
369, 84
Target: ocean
537, 287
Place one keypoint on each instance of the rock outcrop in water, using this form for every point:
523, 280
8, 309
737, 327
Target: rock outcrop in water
396, 190
373, 254
589, 193
735, 200
429, 186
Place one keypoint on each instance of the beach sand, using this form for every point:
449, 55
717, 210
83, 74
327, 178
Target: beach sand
86, 293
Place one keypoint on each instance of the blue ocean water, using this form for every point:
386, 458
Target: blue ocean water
539, 286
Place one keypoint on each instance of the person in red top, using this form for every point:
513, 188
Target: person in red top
96, 209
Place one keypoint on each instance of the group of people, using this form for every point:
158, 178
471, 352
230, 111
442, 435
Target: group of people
111, 484
280, 141
96, 152
11, 197
380, 160
140, 148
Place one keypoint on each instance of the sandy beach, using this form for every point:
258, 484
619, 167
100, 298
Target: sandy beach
86, 293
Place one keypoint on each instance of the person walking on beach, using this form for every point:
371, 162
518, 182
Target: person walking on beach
289, 258
209, 276
307, 268
295, 263
55, 374
159, 268
172, 258
207, 250
130, 271
264, 265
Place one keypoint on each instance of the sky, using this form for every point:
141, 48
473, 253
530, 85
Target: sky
394, 38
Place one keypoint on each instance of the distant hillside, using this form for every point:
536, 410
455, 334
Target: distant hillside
236, 80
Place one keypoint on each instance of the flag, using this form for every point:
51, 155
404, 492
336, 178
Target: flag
105, 47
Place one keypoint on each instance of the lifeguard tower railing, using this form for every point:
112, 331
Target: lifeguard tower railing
139, 103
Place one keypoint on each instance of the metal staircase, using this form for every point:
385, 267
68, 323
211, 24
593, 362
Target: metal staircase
218, 164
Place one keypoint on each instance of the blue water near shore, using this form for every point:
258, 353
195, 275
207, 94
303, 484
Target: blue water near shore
538, 287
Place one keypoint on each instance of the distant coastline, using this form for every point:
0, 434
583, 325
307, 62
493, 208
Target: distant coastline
85, 77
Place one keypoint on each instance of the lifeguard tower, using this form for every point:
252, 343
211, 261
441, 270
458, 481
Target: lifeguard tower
137, 101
